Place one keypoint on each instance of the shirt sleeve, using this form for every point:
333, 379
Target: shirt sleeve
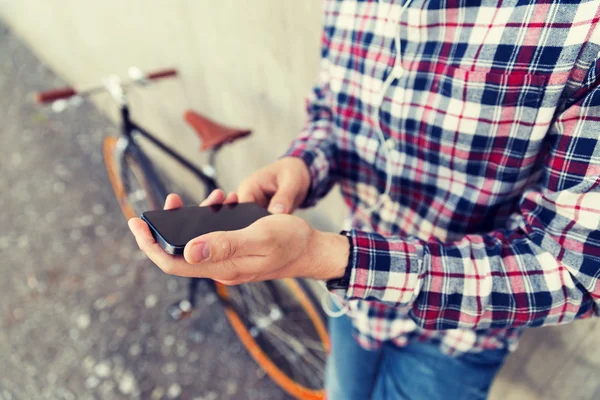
315, 144
543, 272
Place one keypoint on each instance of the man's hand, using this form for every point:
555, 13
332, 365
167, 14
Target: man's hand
280, 186
277, 246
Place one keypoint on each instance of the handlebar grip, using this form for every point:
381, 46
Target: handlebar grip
54, 94
165, 73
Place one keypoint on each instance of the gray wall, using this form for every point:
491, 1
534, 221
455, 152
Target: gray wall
250, 64
244, 63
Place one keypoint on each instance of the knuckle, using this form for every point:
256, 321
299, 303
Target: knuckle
223, 248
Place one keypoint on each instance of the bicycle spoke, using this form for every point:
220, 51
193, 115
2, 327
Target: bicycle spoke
280, 325
291, 356
305, 341
257, 294
296, 344
292, 360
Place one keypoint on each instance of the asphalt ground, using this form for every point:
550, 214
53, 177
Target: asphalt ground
82, 312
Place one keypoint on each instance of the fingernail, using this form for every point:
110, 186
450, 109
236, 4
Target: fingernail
277, 208
199, 252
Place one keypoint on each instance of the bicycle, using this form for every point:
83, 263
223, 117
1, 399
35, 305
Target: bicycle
277, 321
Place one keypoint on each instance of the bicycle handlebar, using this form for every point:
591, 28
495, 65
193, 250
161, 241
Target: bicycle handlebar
52, 95
165, 73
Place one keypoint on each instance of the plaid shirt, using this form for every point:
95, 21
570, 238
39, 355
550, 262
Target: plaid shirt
492, 223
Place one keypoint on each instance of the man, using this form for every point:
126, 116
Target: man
464, 136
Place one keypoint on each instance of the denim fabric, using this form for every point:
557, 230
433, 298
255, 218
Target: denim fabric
417, 371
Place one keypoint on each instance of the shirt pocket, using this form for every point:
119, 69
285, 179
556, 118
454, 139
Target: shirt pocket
488, 111
484, 124
507, 89
476, 133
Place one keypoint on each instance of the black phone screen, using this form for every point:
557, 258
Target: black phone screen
174, 228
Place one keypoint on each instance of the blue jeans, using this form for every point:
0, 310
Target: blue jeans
417, 371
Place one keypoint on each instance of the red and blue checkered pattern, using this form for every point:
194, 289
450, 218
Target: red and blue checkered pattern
492, 223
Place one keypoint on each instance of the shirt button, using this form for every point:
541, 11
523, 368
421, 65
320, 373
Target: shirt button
390, 143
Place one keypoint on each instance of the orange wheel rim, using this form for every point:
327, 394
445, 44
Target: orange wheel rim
285, 382
116, 182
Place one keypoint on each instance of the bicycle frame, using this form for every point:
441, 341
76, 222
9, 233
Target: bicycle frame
129, 130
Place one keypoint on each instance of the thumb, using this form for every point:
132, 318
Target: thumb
284, 198
217, 246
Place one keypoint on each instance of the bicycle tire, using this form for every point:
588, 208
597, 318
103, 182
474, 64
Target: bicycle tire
286, 382
112, 168
313, 297
299, 290
121, 188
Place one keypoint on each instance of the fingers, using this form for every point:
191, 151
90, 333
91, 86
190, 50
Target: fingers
224, 259
173, 201
169, 264
140, 230
231, 198
284, 199
231, 271
253, 193
216, 197
246, 195
148, 245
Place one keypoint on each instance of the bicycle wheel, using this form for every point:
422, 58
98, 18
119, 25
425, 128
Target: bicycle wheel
128, 181
283, 331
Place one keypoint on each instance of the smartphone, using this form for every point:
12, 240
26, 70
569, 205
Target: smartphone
172, 229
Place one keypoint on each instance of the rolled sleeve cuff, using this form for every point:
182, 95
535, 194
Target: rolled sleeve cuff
385, 270
318, 168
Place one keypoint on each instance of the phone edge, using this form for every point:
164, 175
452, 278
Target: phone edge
166, 246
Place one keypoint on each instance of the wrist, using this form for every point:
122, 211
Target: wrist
331, 255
